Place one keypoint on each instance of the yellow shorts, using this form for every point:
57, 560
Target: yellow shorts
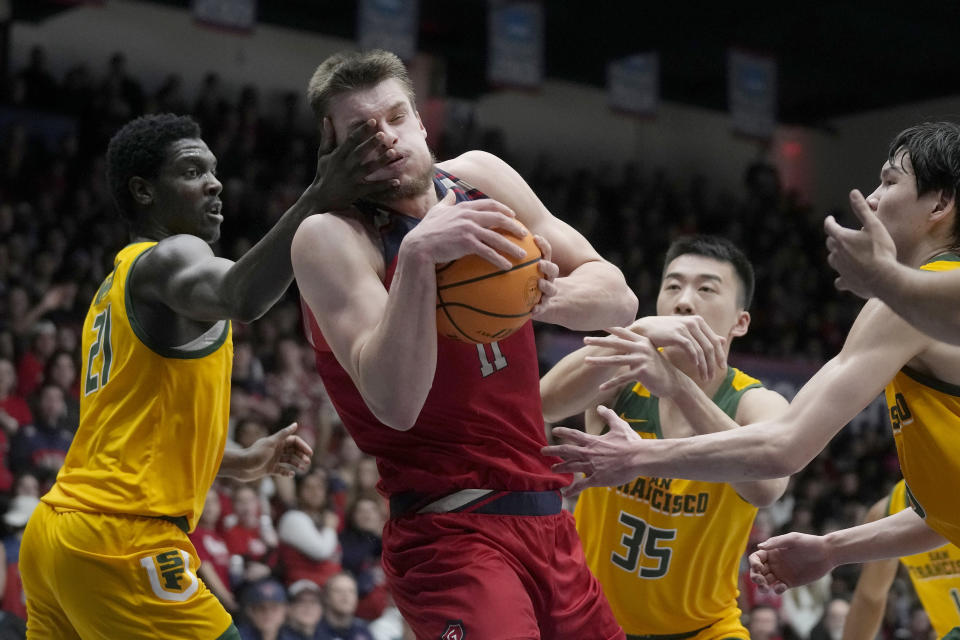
100, 576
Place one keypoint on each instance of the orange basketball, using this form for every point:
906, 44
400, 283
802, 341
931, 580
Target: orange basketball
476, 302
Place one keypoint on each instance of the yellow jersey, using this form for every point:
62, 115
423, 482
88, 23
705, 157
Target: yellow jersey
935, 574
667, 551
925, 415
153, 419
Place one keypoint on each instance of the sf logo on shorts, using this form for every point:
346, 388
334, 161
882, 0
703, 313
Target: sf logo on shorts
170, 575
454, 631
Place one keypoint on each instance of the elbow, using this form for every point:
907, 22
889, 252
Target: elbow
246, 312
397, 416
630, 304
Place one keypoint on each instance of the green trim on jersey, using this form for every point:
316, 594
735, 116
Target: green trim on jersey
641, 410
144, 337
933, 383
949, 256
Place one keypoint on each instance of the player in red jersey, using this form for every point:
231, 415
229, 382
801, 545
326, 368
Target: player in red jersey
477, 545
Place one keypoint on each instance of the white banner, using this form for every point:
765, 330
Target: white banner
390, 25
515, 37
633, 84
752, 93
236, 15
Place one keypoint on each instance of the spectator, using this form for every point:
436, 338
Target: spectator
309, 547
13, 601
43, 445
250, 535
340, 605
213, 552
764, 623
14, 410
362, 546
61, 371
30, 368
264, 610
304, 612
830, 626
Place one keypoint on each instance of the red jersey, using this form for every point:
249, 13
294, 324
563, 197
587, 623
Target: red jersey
481, 425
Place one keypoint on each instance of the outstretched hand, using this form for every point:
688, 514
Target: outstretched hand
858, 256
354, 169
605, 460
282, 454
789, 561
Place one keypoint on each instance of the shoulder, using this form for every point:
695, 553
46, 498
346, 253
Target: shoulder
759, 403
489, 174
332, 230
173, 252
468, 163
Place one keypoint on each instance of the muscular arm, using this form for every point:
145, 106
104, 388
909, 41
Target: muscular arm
183, 274
798, 558
572, 386
387, 342
590, 293
878, 345
706, 417
870, 596
929, 301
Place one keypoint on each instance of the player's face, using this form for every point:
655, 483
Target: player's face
697, 285
186, 193
388, 104
898, 206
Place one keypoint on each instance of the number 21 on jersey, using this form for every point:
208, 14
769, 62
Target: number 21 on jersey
97, 379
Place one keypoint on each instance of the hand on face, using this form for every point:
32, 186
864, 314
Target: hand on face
354, 169
451, 230
859, 255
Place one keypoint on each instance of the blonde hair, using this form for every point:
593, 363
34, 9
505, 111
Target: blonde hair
348, 71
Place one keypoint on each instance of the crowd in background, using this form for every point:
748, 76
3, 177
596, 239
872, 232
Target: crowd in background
301, 557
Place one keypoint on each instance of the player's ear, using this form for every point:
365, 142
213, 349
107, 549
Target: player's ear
742, 325
944, 204
141, 190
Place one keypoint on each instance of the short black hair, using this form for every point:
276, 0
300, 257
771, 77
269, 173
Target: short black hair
721, 249
934, 150
139, 149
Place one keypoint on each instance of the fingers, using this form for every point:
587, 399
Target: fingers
573, 436
612, 419
573, 466
290, 429
327, 138
575, 487
546, 251
862, 210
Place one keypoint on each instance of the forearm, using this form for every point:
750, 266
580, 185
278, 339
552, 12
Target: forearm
233, 465
901, 534
395, 366
869, 600
298, 530
594, 296
257, 280
753, 452
930, 301
706, 417
570, 387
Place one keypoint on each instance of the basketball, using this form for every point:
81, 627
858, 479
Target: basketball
478, 303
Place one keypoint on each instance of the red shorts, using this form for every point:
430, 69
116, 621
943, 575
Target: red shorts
457, 576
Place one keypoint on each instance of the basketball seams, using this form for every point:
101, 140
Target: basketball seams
445, 305
493, 274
